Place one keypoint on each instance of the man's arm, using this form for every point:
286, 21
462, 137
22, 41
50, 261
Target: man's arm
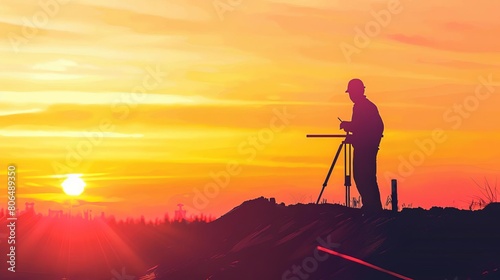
350, 126
346, 126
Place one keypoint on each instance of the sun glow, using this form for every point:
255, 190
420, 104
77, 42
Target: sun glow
73, 185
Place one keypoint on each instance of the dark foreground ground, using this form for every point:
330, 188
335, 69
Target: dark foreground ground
263, 240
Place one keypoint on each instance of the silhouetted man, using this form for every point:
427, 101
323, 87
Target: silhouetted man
366, 127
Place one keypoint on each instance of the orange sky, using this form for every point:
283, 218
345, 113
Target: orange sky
146, 99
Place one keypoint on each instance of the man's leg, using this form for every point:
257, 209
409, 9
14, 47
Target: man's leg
365, 177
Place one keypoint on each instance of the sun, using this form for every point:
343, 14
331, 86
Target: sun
73, 185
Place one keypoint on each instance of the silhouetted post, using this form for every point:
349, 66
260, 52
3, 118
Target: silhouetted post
394, 195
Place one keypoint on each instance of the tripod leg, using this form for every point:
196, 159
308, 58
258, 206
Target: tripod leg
347, 173
330, 172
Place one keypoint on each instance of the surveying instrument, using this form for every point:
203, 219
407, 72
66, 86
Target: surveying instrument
347, 164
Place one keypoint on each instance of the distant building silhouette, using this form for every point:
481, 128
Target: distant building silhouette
55, 213
87, 214
180, 214
29, 210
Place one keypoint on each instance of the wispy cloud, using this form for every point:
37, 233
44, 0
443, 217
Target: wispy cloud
64, 198
70, 134
60, 65
9, 112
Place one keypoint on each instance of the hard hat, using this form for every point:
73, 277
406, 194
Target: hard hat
355, 84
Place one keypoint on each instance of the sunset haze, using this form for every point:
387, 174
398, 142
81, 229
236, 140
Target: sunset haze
207, 103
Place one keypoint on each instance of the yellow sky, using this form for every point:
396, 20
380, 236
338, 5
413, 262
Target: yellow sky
146, 99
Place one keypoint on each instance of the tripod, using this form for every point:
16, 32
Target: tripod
347, 164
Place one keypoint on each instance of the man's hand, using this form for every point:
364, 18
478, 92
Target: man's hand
345, 125
348, 139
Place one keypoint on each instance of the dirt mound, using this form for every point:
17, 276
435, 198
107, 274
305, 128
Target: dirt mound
263, 240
